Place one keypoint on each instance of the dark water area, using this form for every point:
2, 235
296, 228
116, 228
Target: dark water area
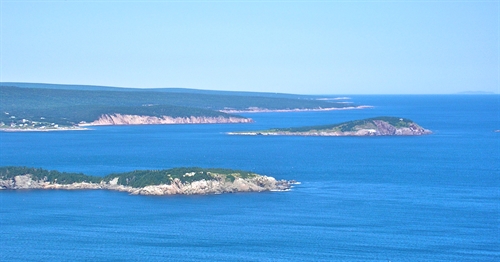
427, 198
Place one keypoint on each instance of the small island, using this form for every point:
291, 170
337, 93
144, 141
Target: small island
377, 126
176, 181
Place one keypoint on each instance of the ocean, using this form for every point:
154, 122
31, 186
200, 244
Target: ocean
425, 198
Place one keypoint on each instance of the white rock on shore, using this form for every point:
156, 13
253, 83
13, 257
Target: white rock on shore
201, 187
119, 119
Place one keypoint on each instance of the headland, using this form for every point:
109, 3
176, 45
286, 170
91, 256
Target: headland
377, 126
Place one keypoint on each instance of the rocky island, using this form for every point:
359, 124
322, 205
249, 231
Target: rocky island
183, 181
377, 126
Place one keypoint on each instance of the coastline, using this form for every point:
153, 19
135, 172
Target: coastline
264, 110
359, 133
128, 120
119, 119
124, 119
200, 187
43, 129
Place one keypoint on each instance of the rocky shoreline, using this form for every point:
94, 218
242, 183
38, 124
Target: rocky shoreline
368, 127
201, 187
265, 110
39, 129
121, 119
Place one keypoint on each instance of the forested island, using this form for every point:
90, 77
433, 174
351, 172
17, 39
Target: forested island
41, 107
377, 126
184, 181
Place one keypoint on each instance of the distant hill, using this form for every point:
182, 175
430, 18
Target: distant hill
166, 90
66, 87
33, 105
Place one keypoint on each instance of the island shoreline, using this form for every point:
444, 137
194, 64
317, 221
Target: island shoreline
371, 127
177, 181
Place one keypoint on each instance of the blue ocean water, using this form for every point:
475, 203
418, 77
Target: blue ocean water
428, 198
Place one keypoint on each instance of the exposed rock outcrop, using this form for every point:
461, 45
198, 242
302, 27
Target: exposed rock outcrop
382, 126
201, 187
386, 129
119, 119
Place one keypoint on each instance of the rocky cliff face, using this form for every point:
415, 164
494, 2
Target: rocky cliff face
386, 129
119, 119
254, 184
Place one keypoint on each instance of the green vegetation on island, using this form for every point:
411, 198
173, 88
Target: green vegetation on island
9, 172
136, 179
376, 126
185, 181
350, 125
142, 178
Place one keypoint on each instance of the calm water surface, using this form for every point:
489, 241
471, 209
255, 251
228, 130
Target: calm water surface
429, 198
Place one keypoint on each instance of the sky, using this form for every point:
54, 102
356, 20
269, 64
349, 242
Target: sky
302, 47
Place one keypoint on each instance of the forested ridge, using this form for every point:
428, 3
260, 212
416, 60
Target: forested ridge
70, 107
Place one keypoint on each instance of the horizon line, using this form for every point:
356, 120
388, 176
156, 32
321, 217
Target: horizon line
467, 92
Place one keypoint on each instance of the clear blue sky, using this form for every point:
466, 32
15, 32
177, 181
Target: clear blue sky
323, 47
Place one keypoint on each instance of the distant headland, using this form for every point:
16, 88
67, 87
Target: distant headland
176, 181
47, 107
377, 126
